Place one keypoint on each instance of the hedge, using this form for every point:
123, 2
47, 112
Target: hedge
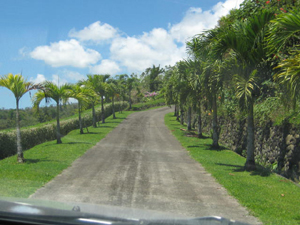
146, 105
34, 136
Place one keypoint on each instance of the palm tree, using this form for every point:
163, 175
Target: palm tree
52, 91
93, 99
131, 83
196, 70
245, 41
19, 86
211, 76
121, 85
284, 32
112, 91
82, 94
98, 83
284, 37
151, 77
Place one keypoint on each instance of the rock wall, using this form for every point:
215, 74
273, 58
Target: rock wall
276, 146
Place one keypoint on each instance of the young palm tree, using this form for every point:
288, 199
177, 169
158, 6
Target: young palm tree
112, 91
98, 83
52, 91
19, 86
131, 83
82, 94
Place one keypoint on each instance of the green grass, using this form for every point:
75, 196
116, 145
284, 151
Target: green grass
271, 198
47, 160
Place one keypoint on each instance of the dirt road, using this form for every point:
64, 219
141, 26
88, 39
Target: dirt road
141, 165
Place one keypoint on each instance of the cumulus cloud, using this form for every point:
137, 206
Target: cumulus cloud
138, 53
72, 75
166, 47
58, 80
40, 78
196, 21
95, 32
66, 53
106, 67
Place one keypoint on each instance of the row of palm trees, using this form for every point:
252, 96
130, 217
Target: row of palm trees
86, 92
237, 57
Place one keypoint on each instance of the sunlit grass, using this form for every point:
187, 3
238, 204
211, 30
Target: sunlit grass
271, 198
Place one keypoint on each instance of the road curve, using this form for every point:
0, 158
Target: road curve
141, 165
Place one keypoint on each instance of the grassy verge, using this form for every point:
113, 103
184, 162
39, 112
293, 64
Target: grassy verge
271, 198
47, 160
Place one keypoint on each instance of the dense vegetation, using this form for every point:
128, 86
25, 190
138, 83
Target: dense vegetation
247, 67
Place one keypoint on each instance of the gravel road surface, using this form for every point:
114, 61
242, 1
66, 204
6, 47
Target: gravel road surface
141, 165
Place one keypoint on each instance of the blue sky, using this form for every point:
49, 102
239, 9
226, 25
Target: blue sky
63, 40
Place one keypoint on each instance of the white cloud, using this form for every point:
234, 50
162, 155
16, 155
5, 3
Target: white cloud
40, 78
196, 21
134, 53
58, 80
66, 53
138, 53
96, 32
24, 51
166, 47
106, 67
72, 75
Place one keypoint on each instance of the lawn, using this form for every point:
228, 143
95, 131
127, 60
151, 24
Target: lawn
47, 160
271, 198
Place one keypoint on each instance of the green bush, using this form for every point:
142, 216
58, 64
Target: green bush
37, 135
146, 105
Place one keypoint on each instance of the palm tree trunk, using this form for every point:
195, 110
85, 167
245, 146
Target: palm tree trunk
189, 119
250, 162
58, 135
130, 100
94, 115
215, 135
175, 110
20, 158
79, 118
200, 135
102, 109
181, 116
113, 107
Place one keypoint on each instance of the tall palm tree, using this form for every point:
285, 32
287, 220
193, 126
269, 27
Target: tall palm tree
19, 86
52, 91
196, 70
246, 42
201, 48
